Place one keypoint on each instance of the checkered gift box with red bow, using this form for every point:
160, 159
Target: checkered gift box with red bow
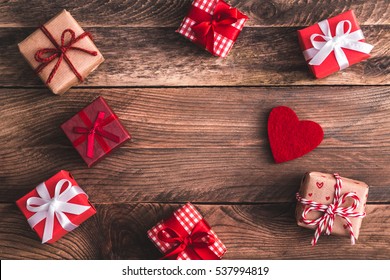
214, 25
186, 236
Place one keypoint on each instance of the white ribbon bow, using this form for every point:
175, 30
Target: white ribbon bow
46, 207
343, 39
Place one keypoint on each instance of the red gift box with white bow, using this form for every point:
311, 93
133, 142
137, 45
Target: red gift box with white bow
56, 207
214, 25
333, 44
187, 236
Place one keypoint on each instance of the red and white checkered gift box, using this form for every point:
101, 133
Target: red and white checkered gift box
214, 25
187, 223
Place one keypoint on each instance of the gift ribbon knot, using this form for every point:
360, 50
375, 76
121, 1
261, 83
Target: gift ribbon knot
219, 22
196, 242
331, 210
326, 221
46, 55
344, 39
97, 131
46, 207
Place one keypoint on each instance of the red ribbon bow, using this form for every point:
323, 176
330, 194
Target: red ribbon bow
95, 131
60, 52
194, 244
326, 221
220, 22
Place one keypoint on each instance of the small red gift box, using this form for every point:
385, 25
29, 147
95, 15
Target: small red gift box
187, 236
214, 25
95, 131
333, 44
56, 207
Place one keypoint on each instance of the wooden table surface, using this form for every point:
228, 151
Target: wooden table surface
199, 127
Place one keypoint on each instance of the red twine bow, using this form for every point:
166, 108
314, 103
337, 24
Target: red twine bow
195, 244
60, 52
220, 22
326, 221
95, 131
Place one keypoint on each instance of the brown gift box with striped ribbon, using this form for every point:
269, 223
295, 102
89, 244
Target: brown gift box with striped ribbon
320, 188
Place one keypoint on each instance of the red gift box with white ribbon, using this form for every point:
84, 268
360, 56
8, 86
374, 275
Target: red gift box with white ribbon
187, 236
56, 207
333, 44
214, 25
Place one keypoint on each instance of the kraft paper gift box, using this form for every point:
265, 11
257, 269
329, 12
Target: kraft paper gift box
330, 200
61, 53
214, 25
187, 236
56, 207
333, 44
95, 131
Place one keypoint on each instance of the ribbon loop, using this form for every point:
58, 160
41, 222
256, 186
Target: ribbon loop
40, 55
96, 131
343, 39
70, 42
60, 52
46, 207
326, 221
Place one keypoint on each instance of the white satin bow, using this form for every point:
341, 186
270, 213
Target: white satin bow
45, 207
343, 39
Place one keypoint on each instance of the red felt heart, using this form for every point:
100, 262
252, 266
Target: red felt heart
320, 185
289, 137
327, 198
310, 194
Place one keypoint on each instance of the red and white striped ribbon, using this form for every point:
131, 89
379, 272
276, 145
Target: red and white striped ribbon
326, 221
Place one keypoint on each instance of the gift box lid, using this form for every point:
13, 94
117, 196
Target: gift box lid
79, 198
330, 64
320, 188
185, 219
85, 120
83, 62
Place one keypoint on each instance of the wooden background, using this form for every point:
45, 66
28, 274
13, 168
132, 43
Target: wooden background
199, 129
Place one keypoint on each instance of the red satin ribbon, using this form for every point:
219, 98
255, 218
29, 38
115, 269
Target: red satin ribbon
196, 244
220, 22
60, 52
95, 131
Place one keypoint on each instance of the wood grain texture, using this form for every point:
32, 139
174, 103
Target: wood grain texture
352, 117
169, 13
161, 57
208, 175
196, 144
118, 231
199, 127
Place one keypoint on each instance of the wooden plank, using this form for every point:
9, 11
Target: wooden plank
118, 231
161, 13
352, 117
160, 57
196, 144
200, 175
